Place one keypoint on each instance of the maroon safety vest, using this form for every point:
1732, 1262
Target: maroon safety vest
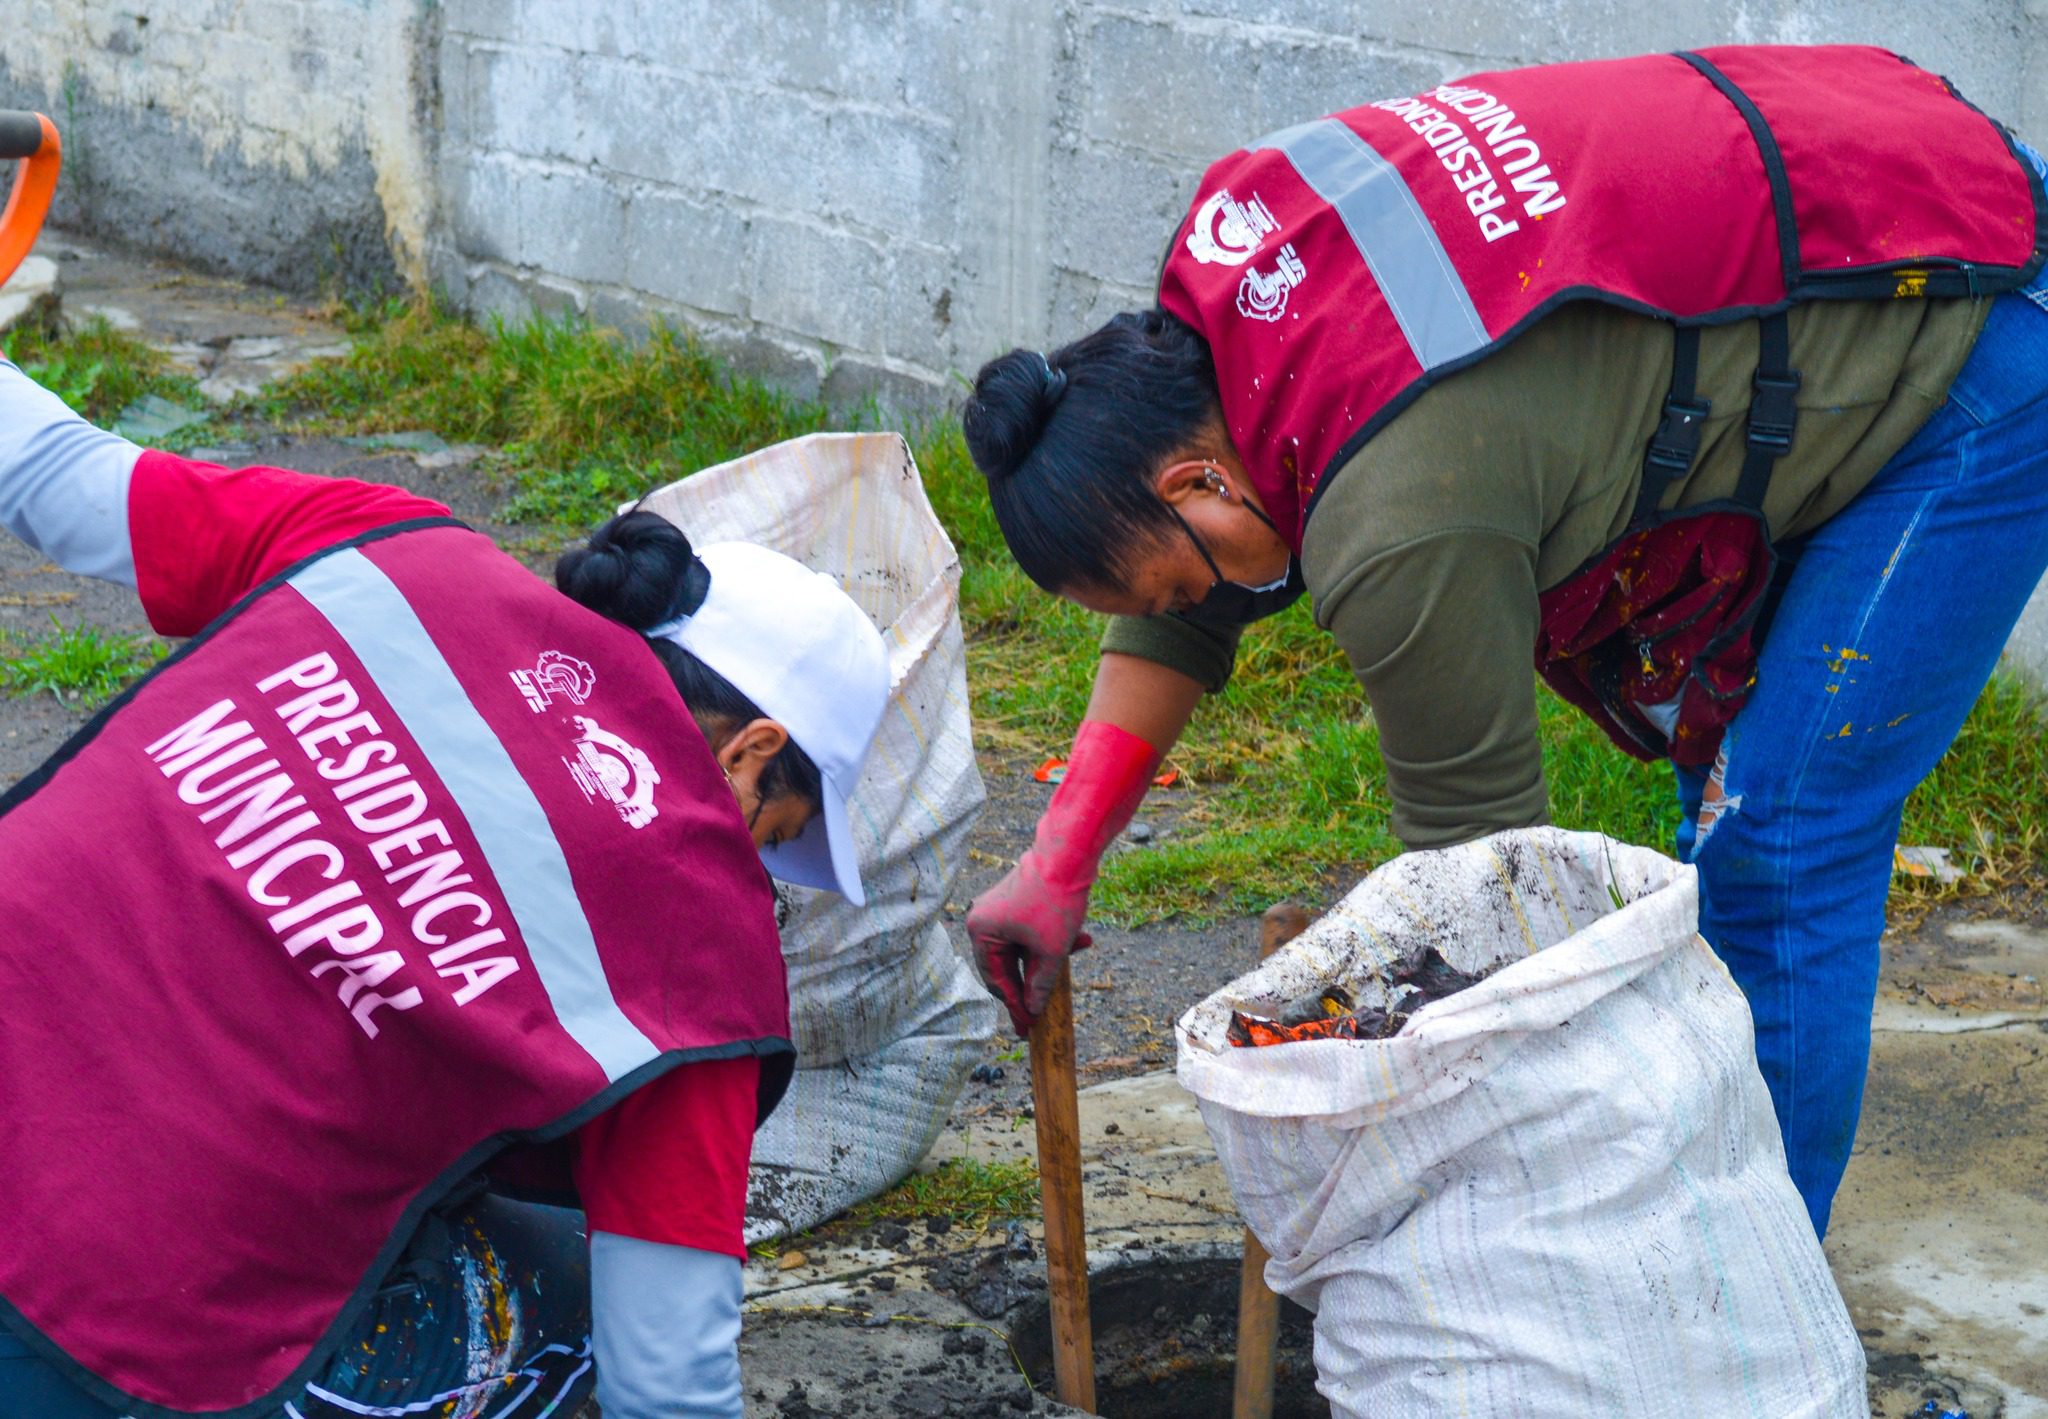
1339, 267
405, 859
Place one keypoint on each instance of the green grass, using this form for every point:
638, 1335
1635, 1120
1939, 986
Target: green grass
79, 664
1283, 793
585, 421
98, 370
966, 1192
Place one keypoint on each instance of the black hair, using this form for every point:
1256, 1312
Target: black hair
1070, 442
640, 570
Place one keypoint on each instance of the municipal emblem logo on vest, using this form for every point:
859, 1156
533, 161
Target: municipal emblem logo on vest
1262, 295
555, 674
609, 768
1228, 232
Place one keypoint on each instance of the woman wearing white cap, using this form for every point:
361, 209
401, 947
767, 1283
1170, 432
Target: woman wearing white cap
406, 884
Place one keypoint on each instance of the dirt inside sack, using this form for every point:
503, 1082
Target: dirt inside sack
1419, 977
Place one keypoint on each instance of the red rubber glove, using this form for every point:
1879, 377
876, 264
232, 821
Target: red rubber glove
1028, 923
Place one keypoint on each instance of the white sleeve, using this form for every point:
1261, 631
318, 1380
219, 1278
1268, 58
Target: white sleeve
64, 483
665, 1322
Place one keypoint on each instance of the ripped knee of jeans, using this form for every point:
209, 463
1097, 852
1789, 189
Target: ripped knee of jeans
1716, 802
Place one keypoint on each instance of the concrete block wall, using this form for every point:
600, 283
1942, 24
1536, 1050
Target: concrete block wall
852, 196
863, 196
288, 140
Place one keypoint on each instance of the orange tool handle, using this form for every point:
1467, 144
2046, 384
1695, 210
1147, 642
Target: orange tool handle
32, 138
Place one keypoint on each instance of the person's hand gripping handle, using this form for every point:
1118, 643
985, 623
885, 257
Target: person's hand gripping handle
1026, 925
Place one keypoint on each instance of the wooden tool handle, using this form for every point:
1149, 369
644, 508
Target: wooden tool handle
1258, 1309
1059, 1178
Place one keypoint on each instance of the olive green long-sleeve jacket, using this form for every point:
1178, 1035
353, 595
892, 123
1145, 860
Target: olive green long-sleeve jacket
1426, 553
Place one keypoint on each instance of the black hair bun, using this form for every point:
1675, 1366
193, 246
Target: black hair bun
638, 569
1014, 397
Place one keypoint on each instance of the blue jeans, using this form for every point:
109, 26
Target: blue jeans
487, 1317
1892, 619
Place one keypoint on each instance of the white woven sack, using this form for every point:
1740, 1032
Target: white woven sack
887, 1018
1559, 1192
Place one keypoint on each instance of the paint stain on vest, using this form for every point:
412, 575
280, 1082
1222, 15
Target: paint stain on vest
494, 1323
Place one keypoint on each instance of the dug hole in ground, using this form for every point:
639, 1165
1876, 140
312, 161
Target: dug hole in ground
1560, 1190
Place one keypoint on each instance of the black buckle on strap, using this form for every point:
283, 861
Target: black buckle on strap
1774, 413
1677, 440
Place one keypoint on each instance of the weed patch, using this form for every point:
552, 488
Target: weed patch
98, 370
965, 1192
585, 420
79, 664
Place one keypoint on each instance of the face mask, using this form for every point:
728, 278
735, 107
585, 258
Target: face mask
1233, 602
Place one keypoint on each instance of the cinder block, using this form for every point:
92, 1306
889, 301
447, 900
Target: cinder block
452, 76
498, 294
919, 288
721, 37
1082, 303
690, 252
730, 154
1166, 89
1307, 80
448, 272
519, 299
888, 173
678, 129
571, 224
553, 298
1200, 93
580, 26
896, 392
795, 366
483, 206
525, 101
1116, 211
628, 313
851, 48
821, 284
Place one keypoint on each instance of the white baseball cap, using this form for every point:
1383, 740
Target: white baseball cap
797, 646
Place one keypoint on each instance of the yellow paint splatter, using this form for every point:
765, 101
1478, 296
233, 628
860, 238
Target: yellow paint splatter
1844, 734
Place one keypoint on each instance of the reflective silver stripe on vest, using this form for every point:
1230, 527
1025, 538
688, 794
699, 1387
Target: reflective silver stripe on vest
1387, 224
371, 614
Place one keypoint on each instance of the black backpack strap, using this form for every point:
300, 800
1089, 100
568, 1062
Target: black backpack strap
1677, 440
1773, 410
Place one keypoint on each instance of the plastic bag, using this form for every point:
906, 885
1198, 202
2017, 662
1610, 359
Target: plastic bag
1559, 1191
886, 1016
